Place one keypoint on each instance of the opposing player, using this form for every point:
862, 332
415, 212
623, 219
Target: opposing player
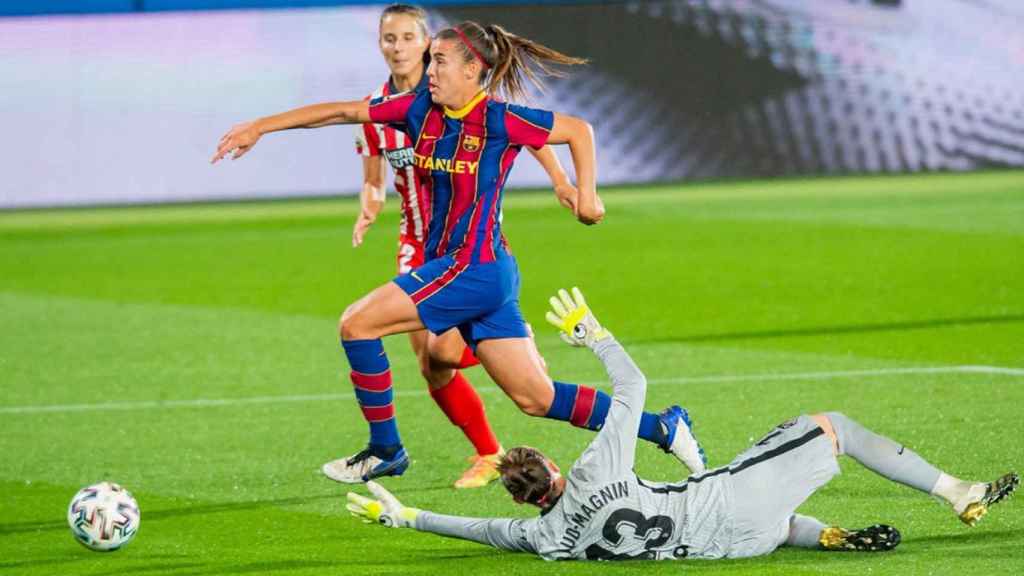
404, 41
465, 145
603, 511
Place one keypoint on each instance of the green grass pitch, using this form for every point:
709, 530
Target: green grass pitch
190, 353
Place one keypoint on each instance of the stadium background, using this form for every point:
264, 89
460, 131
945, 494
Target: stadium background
123, 107
189, 351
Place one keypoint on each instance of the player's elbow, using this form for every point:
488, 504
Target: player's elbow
581, 130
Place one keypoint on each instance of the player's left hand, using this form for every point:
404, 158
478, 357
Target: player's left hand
240, 139
572, 316
386, 509
568, 196
361, 226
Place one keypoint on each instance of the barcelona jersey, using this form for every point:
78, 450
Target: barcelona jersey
463, 158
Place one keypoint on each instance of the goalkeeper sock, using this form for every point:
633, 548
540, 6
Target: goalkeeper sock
882, 455
586, 407
804, 531
371, 378
462, 405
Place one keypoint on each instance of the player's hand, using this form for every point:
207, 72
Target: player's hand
362, 225
386, 509
572, 316
240, 139
568, 196
590, 211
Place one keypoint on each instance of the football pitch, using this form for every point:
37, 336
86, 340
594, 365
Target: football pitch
190, 353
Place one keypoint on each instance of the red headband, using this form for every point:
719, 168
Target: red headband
469, 45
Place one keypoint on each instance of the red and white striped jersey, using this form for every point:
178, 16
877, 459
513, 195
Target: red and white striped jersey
395, 146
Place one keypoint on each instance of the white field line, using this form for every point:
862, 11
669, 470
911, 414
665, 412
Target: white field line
286, 399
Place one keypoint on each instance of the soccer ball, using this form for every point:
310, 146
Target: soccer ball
103, 517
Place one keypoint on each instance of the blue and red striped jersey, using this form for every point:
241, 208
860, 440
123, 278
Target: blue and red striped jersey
464, 157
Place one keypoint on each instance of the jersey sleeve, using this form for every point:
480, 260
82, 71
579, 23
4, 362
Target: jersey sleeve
504, 533
392, 109
528, 126
611, 454
367, 140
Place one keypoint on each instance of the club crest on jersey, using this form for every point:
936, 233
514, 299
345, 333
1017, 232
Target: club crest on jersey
471, 143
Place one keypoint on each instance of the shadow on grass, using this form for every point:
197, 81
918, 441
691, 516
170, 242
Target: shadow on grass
845, 329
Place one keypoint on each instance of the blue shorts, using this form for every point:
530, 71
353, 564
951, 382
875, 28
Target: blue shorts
481, 300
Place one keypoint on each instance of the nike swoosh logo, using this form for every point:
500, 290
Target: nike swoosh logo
414, 275
425, 137
901, 450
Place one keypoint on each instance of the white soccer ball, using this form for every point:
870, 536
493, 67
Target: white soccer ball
103, 517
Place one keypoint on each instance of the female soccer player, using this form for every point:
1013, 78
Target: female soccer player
404, 42
465, 143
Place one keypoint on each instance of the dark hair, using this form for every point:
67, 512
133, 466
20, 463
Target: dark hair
409, 10
509, 59
525, 475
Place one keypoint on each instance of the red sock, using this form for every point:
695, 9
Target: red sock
468, 359
463, 406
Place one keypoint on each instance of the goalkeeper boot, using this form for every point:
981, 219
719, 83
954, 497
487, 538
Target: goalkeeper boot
483, 471
680, 441
366, 465
877, 538
976, 502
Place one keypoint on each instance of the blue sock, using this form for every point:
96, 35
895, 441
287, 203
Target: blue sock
371, 378
586, 407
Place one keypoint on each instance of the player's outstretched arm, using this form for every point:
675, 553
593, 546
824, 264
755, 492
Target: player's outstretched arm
612, 452
579, 135
385, 509
242, 137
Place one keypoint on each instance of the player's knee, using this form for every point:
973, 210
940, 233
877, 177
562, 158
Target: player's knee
436, 378
348, 325
828, 421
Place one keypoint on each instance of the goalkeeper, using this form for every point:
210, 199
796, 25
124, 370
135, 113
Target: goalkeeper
601, 510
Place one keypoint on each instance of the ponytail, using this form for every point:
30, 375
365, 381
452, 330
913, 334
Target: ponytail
507, 60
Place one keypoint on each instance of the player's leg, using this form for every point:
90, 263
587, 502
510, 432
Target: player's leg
460, 402
970, 500
385, 310
518, 369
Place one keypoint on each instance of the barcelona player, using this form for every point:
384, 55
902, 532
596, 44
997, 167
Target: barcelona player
601, 510
404, 41
465, 143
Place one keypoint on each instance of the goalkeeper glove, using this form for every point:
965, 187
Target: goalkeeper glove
386, 509
572, 316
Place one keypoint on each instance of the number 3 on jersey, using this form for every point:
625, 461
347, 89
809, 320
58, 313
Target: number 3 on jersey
625, 523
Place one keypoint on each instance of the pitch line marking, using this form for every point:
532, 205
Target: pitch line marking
765, 377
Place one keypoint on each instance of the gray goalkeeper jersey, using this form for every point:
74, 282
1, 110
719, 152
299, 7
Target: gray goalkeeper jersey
606, 511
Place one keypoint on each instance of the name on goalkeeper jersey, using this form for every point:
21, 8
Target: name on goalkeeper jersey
446, 164
578, 521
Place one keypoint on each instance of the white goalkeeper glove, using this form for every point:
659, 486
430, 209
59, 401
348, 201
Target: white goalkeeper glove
386, 509
572, 316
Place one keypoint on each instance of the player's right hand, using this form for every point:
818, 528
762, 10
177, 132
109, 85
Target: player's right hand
386, 509
240, 139
572, 316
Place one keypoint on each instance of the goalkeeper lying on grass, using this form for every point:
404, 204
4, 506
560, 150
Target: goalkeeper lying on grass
601, 510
